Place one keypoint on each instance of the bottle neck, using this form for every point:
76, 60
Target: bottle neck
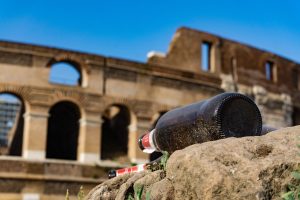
118, 172
147, 142
152, 166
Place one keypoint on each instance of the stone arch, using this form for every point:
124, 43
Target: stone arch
118, 124
266, 56
296, 116
12, 123
63, 131
79, 65
59, 97
21, 92
154, 121
58, 71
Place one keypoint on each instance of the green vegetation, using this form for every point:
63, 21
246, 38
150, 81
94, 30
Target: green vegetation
67, 195
161, 164
130, 197
148, 195
293, 192
138, 191
164, 159
80, 195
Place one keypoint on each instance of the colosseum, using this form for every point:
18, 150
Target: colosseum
66, 136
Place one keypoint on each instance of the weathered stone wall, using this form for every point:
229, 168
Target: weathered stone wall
145, 89
241, 68
47, 179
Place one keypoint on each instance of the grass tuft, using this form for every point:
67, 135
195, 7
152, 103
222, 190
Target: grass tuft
293, 192
67, 195
80, 195
138, 191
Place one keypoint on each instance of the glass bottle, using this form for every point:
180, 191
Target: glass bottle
224, 115
151, 166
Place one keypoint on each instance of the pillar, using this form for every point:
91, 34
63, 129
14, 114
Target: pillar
35, 133
89, 143
134, 153
228, 84
287, 109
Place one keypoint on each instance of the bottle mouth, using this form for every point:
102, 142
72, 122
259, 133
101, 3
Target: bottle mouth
238, 116
146, 142
140, 142
112, 174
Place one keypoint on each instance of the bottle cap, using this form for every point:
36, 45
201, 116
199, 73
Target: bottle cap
146, 142
140, 142
112, 173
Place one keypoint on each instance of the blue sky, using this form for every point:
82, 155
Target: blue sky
129, 29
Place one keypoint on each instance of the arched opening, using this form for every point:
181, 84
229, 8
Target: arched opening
296, 116
156, 117
63, 131
116, 120
12, 111
65, 73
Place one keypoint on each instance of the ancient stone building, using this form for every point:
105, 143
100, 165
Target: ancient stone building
64, 130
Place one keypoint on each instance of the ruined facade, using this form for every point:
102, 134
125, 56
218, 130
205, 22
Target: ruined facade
272, 81
116, 100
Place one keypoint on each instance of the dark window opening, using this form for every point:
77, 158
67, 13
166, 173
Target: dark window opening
296, 116
12, 111
155, 155
65, 73
270, 71
114, 141
206, 56
296, 80
63, 131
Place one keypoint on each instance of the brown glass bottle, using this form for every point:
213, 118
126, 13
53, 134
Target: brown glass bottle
225, 115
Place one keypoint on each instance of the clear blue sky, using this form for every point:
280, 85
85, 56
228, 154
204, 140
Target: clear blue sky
131, 28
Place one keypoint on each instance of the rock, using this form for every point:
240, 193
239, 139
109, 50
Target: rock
127, 188
162, 190
236, 168
147, 182
232, 168
108, 189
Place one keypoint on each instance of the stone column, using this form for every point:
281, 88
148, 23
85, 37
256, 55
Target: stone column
35, 133
89, 143
134, 153
215, 57
227, 84
287, 109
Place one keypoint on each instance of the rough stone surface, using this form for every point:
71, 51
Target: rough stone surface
109, 189
148, 180
127, 188
233, 168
